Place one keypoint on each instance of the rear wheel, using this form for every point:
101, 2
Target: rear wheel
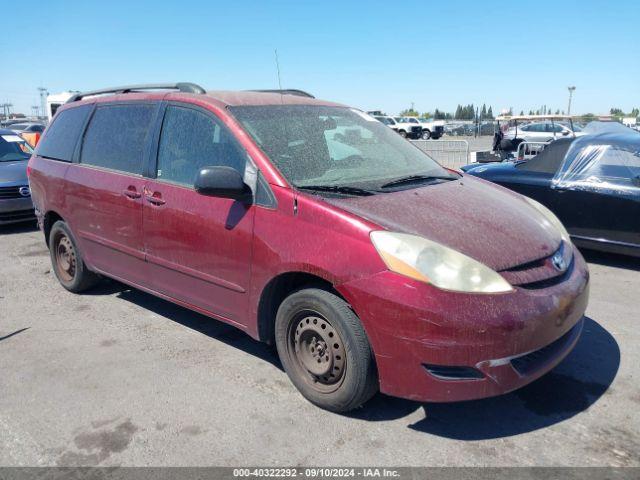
426, 134
325, 351
67, 262
403, 134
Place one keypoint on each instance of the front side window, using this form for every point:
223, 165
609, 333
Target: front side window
333, 146
191, 140
116, 137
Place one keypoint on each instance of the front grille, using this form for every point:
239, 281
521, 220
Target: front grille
17, 215
532, 362
541, 273
11, 192
447, 372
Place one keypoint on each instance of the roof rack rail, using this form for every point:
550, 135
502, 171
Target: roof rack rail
287, 91
181, 86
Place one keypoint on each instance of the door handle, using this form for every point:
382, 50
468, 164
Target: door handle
154, 198
131, 193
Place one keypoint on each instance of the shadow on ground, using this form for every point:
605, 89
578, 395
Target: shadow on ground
207, 326
611, 259
17, 228
572, 387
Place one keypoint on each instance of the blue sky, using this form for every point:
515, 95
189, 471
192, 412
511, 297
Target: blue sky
368, 54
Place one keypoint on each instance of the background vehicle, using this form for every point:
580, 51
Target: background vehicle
15, 196
408, 129
431, 129
591, 183
27, 127
542, 131
405, 129
235, 204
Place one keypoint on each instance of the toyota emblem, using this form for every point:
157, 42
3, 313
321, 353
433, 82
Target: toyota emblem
558, 261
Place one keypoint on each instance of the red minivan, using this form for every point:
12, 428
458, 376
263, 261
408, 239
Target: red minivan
313, 226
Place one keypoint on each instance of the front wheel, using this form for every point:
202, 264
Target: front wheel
68, 266
403, 134
325, 351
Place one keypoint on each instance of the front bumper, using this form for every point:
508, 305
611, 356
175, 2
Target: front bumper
508, 340
16, 210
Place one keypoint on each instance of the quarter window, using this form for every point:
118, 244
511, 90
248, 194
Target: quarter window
61, 137
191, 140
116, 137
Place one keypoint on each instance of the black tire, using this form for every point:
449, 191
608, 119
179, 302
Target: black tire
340, 331
402, 133
426, 134
66, 260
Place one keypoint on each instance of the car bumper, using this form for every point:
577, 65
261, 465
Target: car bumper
438, 346
16, 210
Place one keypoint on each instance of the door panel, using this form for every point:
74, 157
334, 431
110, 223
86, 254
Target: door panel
199, 248
104, 191
106, 215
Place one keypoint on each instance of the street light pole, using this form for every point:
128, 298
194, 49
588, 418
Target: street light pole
571, 90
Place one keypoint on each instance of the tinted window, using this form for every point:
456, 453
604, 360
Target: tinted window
116, 137
190, 140
61, 137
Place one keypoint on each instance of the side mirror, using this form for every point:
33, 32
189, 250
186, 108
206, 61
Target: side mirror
565, 133
223, 182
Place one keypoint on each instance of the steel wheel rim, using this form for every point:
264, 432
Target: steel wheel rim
317, 351
65, 258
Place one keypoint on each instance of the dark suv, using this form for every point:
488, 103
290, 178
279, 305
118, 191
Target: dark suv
311, 225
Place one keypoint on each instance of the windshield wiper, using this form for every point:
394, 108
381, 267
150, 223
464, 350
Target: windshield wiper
338, 189
415, 178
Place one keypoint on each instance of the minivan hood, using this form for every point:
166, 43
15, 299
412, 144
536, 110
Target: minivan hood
484, 221
14, 172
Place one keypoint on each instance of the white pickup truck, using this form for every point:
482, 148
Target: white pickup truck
430, 129
405, 129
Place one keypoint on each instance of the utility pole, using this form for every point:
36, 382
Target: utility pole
43, 99
35, 110
571, 90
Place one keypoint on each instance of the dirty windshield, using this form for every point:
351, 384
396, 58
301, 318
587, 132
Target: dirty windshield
13, 148
335, 146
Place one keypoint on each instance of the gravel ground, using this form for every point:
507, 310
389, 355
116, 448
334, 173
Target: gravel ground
119, 377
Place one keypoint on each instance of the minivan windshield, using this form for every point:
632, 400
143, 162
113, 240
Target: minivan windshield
13, 148
326, 146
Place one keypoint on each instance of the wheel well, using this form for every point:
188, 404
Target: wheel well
276, 291
49, 219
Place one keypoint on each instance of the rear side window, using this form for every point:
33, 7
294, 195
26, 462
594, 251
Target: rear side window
190, 140
62, 135
116, 137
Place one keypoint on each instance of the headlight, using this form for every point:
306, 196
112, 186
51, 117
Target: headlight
550, 217
430, 262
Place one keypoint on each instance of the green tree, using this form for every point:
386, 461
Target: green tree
490, 113
409, 112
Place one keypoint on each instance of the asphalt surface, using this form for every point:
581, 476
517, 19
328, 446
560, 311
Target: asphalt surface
119, 377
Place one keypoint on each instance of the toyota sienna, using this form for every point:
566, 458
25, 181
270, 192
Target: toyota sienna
310, 225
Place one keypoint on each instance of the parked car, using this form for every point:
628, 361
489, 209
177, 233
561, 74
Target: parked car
396, 124
15, 196
408, 129
431, 129
591, 183
370, 271
542, 131
27, 127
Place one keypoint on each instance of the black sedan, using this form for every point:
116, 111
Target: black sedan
591, 183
